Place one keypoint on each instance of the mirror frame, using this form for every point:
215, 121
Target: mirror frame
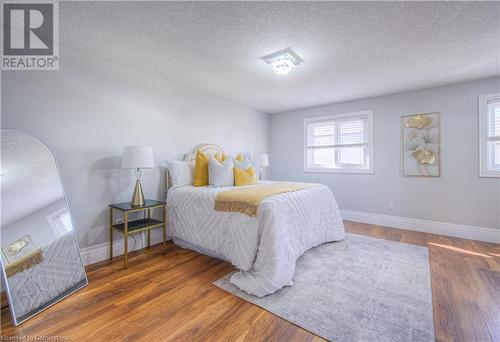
66, 293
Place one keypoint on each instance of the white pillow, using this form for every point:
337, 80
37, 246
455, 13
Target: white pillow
244, 164
181, 172
220, 174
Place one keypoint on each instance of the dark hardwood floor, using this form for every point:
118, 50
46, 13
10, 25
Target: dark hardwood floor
171, 297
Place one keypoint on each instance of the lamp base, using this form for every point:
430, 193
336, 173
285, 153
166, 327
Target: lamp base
138, 196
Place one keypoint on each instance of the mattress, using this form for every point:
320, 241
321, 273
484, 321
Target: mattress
264, 248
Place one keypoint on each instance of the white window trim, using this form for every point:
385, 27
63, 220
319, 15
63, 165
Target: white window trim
483, 134
368, 113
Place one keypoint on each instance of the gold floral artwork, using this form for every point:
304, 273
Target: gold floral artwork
418, 121
424, 156
18, 249
17, 246
420, 138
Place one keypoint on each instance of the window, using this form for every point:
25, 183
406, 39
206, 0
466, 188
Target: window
60, 222
340, 143
489, 135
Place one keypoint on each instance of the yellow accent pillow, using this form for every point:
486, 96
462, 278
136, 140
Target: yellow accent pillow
220, 157
239, 157
201, 169
244, 177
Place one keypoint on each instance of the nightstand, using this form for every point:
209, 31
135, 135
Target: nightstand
132, 227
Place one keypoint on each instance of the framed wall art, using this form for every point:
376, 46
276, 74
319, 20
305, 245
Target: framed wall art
420, 145
18, 249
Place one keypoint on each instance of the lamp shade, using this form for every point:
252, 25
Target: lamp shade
261, 160
137, 157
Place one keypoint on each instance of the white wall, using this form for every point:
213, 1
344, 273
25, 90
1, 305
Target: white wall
90, 109
458, 196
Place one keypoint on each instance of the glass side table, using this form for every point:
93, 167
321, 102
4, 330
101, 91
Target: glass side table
132, 227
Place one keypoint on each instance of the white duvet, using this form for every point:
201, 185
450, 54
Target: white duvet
264, 248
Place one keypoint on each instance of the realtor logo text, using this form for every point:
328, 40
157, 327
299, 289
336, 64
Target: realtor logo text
30, 36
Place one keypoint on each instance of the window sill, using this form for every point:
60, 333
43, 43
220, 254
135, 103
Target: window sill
489, 174
345, 171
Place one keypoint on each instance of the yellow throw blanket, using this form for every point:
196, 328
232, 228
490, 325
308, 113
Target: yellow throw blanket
247, 199
24, 263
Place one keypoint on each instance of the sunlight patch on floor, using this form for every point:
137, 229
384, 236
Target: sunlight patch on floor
460, 250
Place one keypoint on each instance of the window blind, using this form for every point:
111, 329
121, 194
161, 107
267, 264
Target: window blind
494, 121
339, 133
489, 135
493, 135
62, 223
352, 132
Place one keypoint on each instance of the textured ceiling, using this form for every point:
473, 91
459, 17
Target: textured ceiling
351, 49
30, 180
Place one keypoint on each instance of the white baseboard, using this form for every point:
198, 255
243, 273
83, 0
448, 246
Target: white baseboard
100, 252
434, 227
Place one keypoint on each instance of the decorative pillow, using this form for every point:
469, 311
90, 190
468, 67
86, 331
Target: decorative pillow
241, 162
201, 169
244, 177
220, 174
181, 172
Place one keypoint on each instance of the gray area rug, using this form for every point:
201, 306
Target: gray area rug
359, 289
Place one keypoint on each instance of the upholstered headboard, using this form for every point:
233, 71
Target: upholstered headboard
208, 149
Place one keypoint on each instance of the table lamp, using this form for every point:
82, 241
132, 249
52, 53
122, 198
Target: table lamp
261, 160
137, 157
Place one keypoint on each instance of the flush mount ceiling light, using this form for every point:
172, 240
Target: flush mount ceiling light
283, 61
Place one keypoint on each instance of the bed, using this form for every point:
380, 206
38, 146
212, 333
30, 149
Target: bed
265, 248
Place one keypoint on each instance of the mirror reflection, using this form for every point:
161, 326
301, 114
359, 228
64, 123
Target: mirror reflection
40, 257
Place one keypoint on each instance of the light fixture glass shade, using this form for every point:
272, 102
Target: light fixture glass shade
283, 61
137, 157
261, 159
283, 64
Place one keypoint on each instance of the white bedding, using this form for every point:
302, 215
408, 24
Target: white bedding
264, 248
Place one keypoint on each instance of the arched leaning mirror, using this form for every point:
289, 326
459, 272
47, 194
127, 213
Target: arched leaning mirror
40, 258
